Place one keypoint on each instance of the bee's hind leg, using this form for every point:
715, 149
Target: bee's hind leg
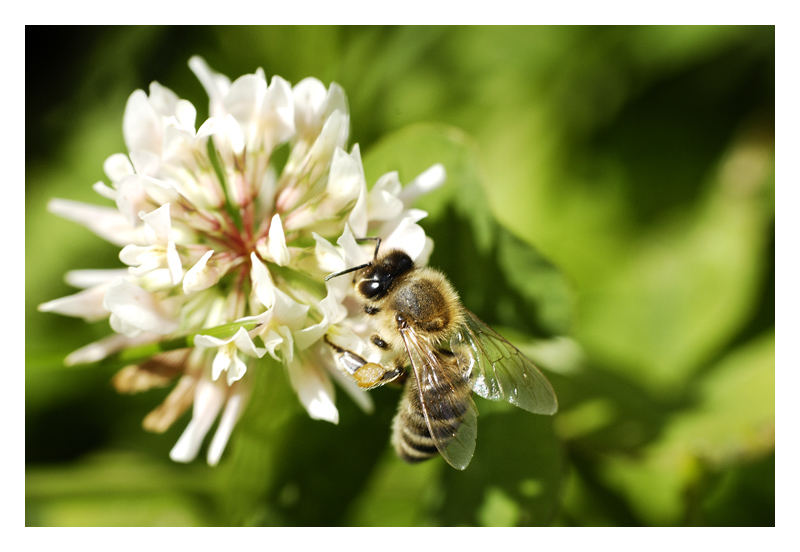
368, 375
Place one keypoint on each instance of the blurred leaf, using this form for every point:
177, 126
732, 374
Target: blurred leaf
688, 284
515, 476
399, 494
743, 495
733, 421
116, 489
498, 509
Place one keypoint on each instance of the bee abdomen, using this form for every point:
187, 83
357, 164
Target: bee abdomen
411, 436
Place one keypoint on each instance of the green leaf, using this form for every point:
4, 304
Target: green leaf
688, 284
520, 458
732, 422
117, 489
399, 494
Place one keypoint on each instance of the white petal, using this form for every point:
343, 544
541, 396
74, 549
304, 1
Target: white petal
159, 222
427, 181
117, 167
222, 362
145, 163
332, 136
136, 308
96, 277
179, 140
226, 130
216, 84
336, 100
286, 348
98, 350
208, 341
162, 99
278, 113
104, 190
245, 344
329, 258
236, 370
199, 276
106, 222
346, 178
407, 236
314, 390
354, 339
309, 96
272, 340
158, 279
308, 336
415, 215
389, 183
208, 400
288, 312
141, 125
383, 203
186, 114
276, 244
244, 100
121, 326
353, 253
262, 282
174, 263
131, 198
313, 105
332, 312
358, 215
233, 410
86, 304
422, 258
142, 258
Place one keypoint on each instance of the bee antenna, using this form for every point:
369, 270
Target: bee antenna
377, 245
346, 271
365, 265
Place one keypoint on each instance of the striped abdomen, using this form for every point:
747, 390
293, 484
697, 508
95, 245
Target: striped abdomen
445, 404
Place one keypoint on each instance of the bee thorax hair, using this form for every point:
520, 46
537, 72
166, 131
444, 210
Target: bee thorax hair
425, 301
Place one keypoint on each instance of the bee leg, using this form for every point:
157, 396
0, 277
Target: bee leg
368, 375
372, 375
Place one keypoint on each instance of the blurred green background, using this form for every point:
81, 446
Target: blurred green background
609, 207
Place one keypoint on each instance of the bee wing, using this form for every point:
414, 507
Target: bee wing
499, 371
437, 386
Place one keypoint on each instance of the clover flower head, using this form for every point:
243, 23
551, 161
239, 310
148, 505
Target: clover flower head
227, 239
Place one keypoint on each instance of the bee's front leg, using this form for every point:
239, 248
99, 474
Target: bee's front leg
368, 375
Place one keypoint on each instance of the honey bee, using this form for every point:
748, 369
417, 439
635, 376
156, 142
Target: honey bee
420, 320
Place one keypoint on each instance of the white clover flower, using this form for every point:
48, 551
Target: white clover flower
227, 250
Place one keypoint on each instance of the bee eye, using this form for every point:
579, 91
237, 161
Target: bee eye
370, 288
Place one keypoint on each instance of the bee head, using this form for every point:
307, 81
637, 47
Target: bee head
379, 275
376, 278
